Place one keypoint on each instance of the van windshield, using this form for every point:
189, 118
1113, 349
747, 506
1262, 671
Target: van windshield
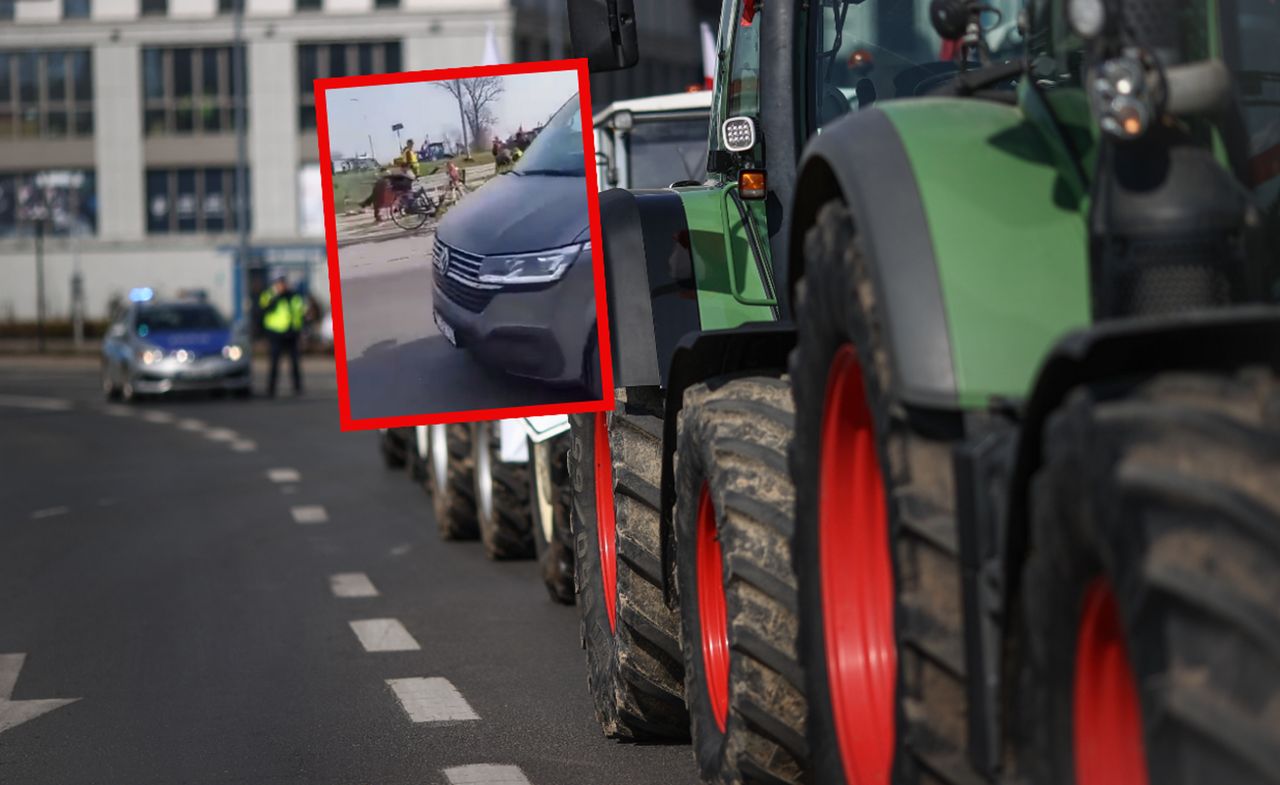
557, 151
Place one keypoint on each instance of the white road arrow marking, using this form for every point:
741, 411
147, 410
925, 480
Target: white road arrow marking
14, 713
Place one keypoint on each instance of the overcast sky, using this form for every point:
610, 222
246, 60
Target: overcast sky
424, 108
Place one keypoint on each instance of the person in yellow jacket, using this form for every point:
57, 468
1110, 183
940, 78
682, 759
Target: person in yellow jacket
283, 312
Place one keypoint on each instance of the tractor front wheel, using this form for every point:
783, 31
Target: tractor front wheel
1149, 640
875, 545
502, 497
734, 505
635, 669
451, 480
551, 501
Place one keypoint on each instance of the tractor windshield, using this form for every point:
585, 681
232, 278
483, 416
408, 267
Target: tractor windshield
866, 51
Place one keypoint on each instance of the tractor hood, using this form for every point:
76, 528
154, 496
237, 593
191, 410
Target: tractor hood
514, 213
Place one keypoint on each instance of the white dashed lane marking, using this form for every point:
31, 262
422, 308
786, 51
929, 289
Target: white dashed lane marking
34, 402
383, 635
49, 512
159, 418
191, 424
284, 475
431, 700
486, 774
309, 513
352, 584
221, 435
244, 445
118, 411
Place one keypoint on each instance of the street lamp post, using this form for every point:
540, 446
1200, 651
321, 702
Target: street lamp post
238, 78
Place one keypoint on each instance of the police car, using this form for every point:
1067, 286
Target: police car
161, 346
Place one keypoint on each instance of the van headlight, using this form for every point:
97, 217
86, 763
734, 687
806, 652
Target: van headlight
531, 268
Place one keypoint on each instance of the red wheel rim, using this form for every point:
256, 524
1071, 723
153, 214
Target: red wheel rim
856, 579
606, 527
1107, 719
712, 617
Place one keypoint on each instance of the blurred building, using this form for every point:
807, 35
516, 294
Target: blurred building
117, 116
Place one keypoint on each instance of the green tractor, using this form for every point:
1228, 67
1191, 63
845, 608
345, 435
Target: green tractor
947, 437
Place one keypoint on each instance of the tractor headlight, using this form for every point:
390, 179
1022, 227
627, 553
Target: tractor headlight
232, 352
531, 268
1121, 98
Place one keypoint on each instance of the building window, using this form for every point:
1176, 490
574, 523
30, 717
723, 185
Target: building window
6, 10
66, 199
228, 6
155, 7
46, 93
386, 3
306, 5
321, 61
187, 90
75, 9
191, 200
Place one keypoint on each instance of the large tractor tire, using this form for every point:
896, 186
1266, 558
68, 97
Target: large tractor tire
551, 499
502, 497
733, 522
875, 548
635, 670
1150, 635
451, 480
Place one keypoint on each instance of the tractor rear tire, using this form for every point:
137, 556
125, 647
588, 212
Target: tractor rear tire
881, 636
451, 477
551, 498
733, 522
502, 497
635, 669
1162, 494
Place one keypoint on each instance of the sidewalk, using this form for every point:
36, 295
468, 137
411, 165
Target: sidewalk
360, 228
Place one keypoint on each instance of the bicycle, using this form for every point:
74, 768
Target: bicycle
412, 208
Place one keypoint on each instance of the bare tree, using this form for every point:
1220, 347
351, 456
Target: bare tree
481, 93
455, 88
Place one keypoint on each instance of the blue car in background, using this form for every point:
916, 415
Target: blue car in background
157, 347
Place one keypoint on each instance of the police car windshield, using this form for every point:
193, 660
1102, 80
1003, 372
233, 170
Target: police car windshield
558, 148
168, 318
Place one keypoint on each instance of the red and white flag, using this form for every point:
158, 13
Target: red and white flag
708, 57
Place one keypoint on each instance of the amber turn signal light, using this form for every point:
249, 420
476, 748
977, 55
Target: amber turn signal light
751, 184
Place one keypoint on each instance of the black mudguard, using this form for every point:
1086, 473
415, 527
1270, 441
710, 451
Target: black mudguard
1209, 340
649, 284
860, 159
759, 348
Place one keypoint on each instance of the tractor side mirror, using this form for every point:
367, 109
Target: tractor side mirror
604, 32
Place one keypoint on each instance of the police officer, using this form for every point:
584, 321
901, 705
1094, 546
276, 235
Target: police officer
283, 311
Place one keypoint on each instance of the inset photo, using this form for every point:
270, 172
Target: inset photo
460, 216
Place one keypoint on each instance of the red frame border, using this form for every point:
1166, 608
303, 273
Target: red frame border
346, 422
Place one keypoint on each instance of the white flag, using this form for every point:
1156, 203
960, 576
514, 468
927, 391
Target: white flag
491, 56
708, 57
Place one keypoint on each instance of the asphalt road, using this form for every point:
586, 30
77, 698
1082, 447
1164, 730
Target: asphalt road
154, 569
398, 363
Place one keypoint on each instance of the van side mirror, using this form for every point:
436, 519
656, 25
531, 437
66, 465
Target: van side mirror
604, 32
